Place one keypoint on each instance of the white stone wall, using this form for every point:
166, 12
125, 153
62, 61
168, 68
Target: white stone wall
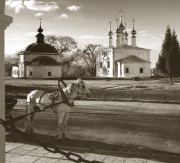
42, 71
121, 53
29, 57
105, 60
118, 54
15, 72
21, 58
110, 54
21, 70
134, 69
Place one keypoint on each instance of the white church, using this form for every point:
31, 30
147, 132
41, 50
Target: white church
123, 60
38, 60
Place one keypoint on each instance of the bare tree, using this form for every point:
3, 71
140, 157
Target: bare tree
67, 48
11, 61
62, 43
90, 55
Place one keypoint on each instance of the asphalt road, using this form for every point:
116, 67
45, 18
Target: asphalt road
155, 126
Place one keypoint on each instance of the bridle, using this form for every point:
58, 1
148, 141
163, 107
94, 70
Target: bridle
82, 92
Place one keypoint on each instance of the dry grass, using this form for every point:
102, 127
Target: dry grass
112, 90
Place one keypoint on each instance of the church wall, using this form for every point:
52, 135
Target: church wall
120, 54
117, 54
115, 69
21, 58
21, 69
134, 69
104, 61
15, 72
43, 71
122, 50
101, 67
111, 71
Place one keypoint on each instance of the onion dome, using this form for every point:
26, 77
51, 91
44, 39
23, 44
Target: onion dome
126, 34
40, 30
110, 33
40, 46
117, 30
121, 26
133, 32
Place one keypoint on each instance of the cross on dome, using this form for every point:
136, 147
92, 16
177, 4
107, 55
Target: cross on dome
133, 32
40, 36
110, 32
121, 26
117, 22
121, 13
133, 22
110, 25
40, 30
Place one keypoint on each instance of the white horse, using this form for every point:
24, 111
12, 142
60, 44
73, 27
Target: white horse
41, 99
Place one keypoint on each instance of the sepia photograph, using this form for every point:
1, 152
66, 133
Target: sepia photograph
90, 81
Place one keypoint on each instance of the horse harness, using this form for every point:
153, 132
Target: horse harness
54, 96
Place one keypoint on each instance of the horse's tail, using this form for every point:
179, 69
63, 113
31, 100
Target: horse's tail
27, 122
29, 108
30, 98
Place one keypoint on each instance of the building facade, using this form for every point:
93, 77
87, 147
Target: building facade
38, 60
123, 60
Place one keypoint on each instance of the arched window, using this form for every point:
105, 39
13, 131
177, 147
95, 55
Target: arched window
127, 70
100, 64
108, 63
141, 70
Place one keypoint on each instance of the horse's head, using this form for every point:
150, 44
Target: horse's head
83, 90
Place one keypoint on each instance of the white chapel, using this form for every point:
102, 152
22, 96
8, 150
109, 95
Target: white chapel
123, 60
38, 60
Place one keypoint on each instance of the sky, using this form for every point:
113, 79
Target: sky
87, 21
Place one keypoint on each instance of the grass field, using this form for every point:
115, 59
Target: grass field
117, 90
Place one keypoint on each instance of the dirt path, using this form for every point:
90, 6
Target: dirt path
155, 126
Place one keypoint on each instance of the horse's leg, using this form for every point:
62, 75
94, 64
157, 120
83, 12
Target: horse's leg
60, 125
65, 124
29, 120
32, 117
